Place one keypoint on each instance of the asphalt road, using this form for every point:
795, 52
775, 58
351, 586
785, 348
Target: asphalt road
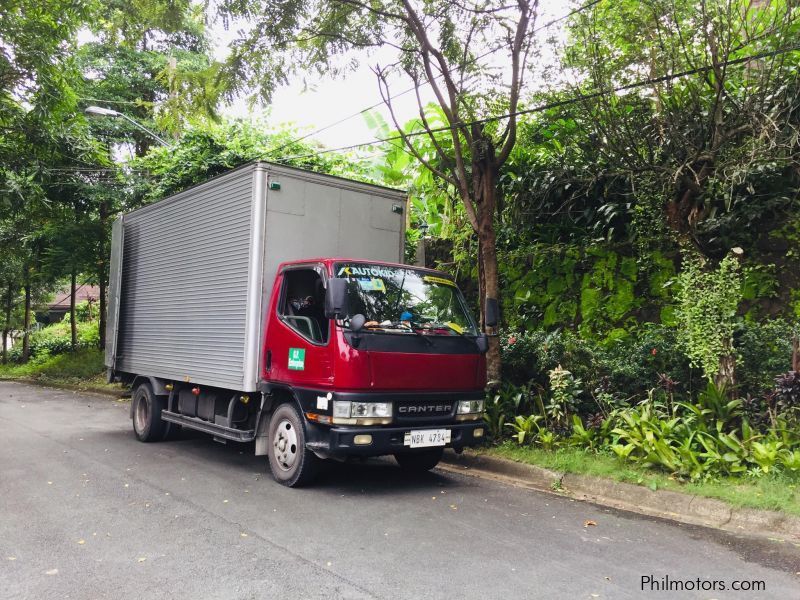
86, 511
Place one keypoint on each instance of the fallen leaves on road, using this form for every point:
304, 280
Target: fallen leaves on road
590, 523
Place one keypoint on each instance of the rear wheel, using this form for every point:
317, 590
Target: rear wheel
291, 463
147, 423
423, 460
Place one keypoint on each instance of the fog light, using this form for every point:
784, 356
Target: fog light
477, 433
362, 440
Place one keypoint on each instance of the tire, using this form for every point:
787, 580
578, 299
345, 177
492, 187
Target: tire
147, 423
172, 432
421, 461
291, 463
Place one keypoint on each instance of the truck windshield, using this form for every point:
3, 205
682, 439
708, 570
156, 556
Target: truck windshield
405, 300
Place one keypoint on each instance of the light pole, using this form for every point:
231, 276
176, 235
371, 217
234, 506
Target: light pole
99, 111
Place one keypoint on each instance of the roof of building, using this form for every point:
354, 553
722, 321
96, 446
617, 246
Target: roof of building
82, 293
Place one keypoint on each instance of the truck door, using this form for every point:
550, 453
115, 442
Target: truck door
298, 340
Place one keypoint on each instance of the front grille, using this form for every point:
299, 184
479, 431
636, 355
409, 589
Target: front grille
424, 409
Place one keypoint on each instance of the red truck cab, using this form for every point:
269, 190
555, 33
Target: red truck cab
381, 358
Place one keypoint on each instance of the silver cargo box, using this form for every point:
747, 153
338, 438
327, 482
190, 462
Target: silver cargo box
191, 275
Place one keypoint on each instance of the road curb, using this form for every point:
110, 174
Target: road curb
69, 387
676, 506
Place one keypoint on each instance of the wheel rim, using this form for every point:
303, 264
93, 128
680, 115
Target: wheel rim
140, 414
284, 445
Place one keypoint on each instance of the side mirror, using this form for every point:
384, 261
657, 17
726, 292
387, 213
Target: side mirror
483, 343
492, 316
336, 299
357, 322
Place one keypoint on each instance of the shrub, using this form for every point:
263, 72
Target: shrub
765, 351
85, 312
637, 363
528, 356
787, 395
708, 300
56, 339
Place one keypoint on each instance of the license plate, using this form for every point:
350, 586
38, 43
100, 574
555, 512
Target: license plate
425, 438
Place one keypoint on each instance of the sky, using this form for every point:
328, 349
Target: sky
328, 100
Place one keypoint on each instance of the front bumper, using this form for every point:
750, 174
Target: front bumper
338, 441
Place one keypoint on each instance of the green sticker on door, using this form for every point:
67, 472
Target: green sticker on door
297, 359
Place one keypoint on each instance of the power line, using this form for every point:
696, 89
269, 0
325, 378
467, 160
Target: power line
411, 89
556, 104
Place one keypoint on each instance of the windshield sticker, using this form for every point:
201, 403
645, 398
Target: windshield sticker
455, 327
442, 280
367, 271
297, 359
372, 285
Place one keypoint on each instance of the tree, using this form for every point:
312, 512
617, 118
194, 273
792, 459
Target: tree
153, 62
707, 155
202, 153
473, 55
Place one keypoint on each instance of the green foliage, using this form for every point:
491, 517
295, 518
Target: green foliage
502, 406
203, 152
764, 349
84, 367
564, 393
708, 300
526, 429
56, 339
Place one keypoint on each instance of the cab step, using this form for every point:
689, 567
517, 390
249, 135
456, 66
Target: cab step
218, 431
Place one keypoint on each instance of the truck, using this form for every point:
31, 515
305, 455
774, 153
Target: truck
271, 305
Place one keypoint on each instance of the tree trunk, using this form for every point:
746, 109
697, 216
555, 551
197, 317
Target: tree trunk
101, 275
7, 325
726, 376
492, 283
485, 186
26, 338
73, 326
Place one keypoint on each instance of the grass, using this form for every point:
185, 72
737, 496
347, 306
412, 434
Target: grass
83, 369
779, 492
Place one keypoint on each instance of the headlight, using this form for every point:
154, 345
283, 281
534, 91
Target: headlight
362, 413
469, 410
466, 407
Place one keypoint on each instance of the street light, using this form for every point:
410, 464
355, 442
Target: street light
99, 111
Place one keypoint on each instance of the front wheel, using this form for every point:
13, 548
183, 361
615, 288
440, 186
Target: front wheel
291, 463
418, 462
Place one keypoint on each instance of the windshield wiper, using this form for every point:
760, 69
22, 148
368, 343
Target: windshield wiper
451, 326
418, 332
